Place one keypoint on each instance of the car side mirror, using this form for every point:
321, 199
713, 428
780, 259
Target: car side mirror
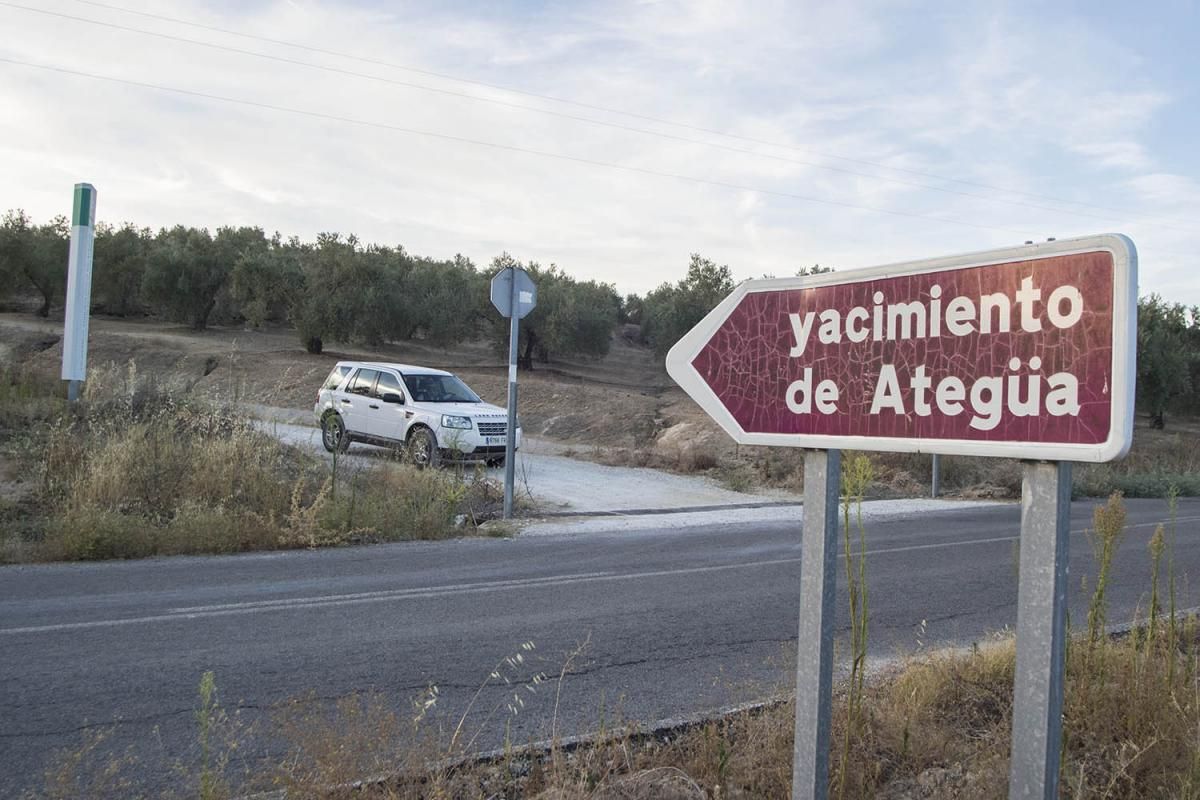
392, 397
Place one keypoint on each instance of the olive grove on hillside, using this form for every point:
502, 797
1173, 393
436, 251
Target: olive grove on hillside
337, 288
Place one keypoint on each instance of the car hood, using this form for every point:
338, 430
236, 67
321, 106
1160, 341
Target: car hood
462, 409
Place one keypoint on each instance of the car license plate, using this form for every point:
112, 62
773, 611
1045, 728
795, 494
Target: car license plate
494, 440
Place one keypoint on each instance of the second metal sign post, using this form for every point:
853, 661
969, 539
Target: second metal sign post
514, 295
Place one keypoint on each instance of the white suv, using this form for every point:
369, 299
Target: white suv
429, 412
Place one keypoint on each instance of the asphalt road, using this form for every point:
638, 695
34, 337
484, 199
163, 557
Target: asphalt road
676, 621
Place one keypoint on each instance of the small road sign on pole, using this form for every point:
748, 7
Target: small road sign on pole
506, 294
512, 289
1026, 352
79, 289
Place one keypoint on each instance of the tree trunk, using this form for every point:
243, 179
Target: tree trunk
44, 291
200, 322
526, 361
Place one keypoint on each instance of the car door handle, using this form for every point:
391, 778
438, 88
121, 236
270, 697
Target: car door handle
373, 406
345, 401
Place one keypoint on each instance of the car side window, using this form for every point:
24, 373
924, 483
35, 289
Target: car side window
335, 377
363, 382
388, 383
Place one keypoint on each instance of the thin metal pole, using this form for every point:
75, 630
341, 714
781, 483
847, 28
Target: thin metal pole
1041, 631
814, 657
511, 430
73, 390
936, 478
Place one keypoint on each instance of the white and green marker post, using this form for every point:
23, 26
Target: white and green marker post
79, 289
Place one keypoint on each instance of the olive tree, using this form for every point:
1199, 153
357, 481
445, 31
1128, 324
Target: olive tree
571, 317
266, 283
35, 257
119, 267
672, 310
188, 269
16, 245
1167, 354
446, 300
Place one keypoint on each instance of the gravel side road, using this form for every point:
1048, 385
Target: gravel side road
558, 483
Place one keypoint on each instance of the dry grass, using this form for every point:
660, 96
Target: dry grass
1157, 462
936, 726
138, 469
618, 410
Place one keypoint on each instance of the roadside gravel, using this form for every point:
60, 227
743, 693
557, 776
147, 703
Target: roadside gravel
573, 496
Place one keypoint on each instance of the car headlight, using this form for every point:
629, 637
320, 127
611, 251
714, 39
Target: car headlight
463, 423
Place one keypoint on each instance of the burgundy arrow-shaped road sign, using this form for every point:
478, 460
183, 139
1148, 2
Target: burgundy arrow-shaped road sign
1025, 352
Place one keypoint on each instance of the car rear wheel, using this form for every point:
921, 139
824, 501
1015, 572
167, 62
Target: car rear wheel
495, 462
333, 434
422, 448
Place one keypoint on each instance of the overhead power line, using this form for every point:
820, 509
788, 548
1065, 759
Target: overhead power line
587, 120
612, 110
507, 147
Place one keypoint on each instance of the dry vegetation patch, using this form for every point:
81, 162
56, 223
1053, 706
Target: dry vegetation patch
617, 410
141, 468
936, 727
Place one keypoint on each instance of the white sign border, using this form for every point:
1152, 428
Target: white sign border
1124, 349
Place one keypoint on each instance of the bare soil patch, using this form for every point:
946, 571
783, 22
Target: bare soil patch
619, 410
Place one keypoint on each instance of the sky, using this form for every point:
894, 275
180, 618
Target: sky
617, 138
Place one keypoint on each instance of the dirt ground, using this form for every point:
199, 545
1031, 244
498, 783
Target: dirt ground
622, 409
621, 400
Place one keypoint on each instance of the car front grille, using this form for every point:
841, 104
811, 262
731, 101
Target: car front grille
492, 428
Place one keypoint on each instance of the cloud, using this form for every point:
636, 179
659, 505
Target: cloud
972, 100
1123, 155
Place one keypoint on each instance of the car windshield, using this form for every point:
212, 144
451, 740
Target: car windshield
439, 389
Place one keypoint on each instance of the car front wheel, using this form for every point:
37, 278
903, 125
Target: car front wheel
333, 434
422, 448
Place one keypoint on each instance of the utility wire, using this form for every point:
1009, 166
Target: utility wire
608, 109
505, 147
587, 120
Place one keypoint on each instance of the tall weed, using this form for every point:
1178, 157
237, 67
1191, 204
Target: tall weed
1108, 529
857, 475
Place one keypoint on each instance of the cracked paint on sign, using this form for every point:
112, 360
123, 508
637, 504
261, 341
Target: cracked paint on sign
748, 362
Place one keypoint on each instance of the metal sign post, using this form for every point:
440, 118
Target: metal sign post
1041, 631
514, 295
79, 289
510, 438
818, 590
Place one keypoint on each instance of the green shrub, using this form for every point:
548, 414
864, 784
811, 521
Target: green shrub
737, 476
396, 503
199, 529
28, 398
94, 535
